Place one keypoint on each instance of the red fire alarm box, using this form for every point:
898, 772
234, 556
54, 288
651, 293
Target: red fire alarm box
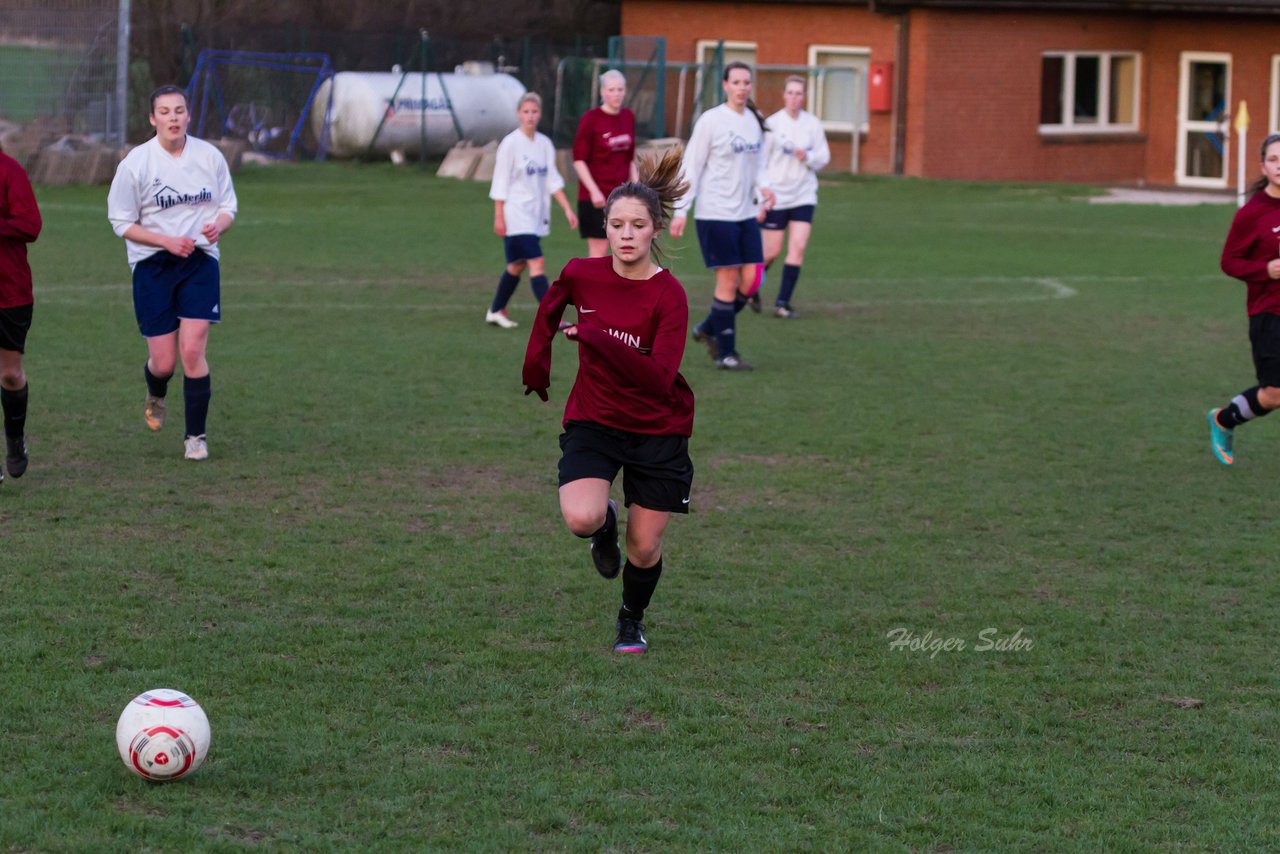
880, 87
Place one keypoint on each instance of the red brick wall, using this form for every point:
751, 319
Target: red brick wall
973, 93
783, 35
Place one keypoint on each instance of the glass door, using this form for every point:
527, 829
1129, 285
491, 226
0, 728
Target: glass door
1204, 92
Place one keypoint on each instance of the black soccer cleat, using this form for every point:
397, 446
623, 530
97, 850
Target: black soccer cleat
630, 637
605, 552
753, 302
703, 337
16, 459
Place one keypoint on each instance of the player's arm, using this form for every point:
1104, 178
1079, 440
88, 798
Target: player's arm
821, 154
536, 374
499, 187
569, 212
653, 372
23, 219
694, 161
227, 205
1236, 251
764, 187
582, 153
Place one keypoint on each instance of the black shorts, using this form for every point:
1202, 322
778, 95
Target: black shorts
590, 220
776, 220
14, 324
657, 473
1264, 336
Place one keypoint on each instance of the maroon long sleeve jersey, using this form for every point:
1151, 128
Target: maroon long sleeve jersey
1254, 239
19, 225
631, 336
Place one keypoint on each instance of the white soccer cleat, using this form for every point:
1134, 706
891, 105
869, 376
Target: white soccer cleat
500, 319
197, 448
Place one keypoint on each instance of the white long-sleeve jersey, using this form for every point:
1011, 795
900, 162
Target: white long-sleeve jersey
795, 183
174, 196
524, 178
724, 165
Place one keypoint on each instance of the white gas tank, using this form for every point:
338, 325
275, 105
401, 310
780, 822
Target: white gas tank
483, 104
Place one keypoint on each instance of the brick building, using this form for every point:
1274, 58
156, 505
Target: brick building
1125, 91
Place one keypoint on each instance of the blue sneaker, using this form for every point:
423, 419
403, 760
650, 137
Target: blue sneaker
702, 336
630, 637
1221, 438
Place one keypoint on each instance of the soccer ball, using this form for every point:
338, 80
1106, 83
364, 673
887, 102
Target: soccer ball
163, 735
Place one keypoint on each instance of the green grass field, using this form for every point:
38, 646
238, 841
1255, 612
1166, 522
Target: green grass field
988, 423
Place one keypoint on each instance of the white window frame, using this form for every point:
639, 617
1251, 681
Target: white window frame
1103, 125
706, 48
1181, 178
815, 92
1275, 94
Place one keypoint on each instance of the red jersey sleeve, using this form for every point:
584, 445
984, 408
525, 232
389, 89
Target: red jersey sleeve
19, 216
654, 372
582, 139
1239, 260
537, 356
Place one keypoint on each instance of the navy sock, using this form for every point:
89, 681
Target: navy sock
196, 392
156, 386
539, 284
506, 287
790, 275
1243, 407
722, 320
637, 589
15, 411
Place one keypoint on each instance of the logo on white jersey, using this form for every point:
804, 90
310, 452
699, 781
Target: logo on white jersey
741, 146
167, 197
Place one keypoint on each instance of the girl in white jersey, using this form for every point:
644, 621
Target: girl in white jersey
724, 165
795, 149
524, 175
171, 200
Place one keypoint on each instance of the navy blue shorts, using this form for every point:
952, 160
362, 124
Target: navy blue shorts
776, 220
730, 244
657, 473
167, 288
521, 247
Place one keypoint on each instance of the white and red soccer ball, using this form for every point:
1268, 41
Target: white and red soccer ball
163, 735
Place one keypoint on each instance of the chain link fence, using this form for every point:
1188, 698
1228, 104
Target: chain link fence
59, 62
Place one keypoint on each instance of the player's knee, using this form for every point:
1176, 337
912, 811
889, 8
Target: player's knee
515, 268
12, 378
644, 554
1269, 397
582, 522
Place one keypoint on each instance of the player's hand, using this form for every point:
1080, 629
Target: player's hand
597, 199
180, 246
1273, 268
211, 232
540, 392
500, 227
763, 213
677, 226
800, 155
571, 332
572, 217
769, 198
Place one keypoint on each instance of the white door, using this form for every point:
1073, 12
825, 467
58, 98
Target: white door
1204, 96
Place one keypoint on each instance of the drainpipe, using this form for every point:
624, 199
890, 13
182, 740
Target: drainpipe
900, 96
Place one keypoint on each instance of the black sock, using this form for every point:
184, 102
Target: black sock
1243, 407
156, 386
196, 392
739, 303
722, 320
637, 589
506, 287
539, 285
790, 275
15, 411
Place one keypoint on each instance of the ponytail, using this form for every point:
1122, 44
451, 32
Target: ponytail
751, 105
660, 186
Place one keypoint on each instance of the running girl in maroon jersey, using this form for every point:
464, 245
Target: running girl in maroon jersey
1252, 255
20, 224
629, 408
604, 151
